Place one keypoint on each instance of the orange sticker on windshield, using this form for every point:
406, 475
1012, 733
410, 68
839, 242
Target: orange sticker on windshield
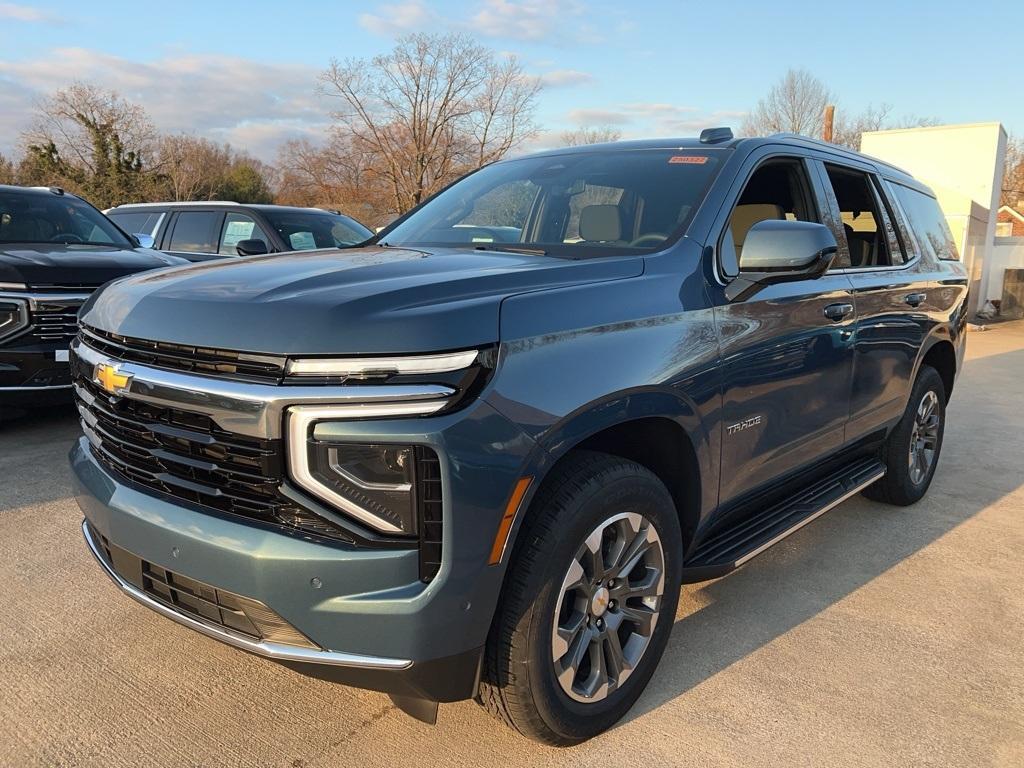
691, 159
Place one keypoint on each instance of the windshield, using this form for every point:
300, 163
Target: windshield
34, 217
306, 230
574, 205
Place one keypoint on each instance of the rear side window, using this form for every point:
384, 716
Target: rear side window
928, 225
196, 232
863, 223
137, 223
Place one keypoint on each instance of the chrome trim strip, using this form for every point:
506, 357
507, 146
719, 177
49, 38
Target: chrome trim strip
254, 409
754, 553
275, 651
36, 389
300, 421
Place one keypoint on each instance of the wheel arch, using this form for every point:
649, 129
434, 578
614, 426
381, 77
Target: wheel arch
660, 431
939, 353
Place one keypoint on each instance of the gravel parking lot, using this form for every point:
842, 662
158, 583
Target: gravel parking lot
875, 636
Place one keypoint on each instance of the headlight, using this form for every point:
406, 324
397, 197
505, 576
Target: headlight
13, 316
372, 483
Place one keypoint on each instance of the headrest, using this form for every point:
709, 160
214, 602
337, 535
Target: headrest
746, 216
600, 223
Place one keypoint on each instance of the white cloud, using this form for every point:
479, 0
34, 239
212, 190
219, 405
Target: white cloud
596, 117
525, 19
252, 104
655, 119
17, 12
398, 19
559, 78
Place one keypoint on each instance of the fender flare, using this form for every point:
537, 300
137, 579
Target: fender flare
615, 409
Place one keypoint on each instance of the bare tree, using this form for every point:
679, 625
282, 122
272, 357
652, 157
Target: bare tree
339, 175
8, 172
1013, 174
93, 141
590, 135
849, 130
191, 166
432, 109
795, 104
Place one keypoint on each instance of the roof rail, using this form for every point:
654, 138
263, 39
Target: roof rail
839, 148
179, 202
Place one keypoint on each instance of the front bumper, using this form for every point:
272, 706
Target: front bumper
374, 624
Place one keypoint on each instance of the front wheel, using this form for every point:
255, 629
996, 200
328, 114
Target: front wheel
911, 452
589, 601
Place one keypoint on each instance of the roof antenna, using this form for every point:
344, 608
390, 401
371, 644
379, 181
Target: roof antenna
715, 135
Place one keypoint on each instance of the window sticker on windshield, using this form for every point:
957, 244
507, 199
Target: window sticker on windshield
302, 241
689, 159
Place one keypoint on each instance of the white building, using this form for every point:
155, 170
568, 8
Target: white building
963, 164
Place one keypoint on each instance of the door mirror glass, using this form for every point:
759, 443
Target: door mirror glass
143, 240
779, 251
253, 247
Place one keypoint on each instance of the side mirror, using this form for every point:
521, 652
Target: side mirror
143, 240
254, 247
782, 251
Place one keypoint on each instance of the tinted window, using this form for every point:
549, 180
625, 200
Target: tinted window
927, 223
589, 203
239, 227
196, 232
304, 230
34, 217
863, 225
137, 223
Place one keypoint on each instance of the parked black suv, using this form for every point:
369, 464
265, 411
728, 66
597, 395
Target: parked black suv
55, 249
478, 457
202, 231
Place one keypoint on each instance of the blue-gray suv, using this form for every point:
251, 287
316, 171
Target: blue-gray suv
477, 457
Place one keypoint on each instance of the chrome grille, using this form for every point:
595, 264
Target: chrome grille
188, 457
184, 357
55, 320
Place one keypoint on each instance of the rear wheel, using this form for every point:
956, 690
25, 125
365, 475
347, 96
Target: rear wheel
589, 601
911, 452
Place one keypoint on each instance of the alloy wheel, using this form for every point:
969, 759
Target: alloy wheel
608, 607
924, 437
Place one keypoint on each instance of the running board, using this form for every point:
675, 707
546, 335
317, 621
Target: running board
727, 550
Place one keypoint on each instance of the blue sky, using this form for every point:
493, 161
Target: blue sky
245, 72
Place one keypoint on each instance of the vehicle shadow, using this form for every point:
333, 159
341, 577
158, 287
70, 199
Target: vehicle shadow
721, 622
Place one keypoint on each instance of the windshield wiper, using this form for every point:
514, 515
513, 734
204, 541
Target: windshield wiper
512, 249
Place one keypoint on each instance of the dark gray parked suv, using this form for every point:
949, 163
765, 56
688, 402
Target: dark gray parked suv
212, 229
479, 456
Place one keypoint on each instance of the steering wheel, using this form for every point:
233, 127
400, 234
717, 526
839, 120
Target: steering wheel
651, 237
67, 237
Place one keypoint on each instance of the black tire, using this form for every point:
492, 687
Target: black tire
519, 685
899, 486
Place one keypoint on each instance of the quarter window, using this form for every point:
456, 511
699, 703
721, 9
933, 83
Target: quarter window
927, 223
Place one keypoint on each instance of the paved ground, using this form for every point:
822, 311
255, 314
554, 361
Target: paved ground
876, 636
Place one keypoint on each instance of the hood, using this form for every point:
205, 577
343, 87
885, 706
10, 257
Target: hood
337, 302
52, 263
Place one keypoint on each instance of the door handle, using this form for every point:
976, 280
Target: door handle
915, 299
837, 312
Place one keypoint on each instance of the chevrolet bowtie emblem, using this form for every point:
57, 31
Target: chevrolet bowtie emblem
111, 379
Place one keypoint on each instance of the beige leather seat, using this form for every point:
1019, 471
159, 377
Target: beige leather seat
601, 223
746, 216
